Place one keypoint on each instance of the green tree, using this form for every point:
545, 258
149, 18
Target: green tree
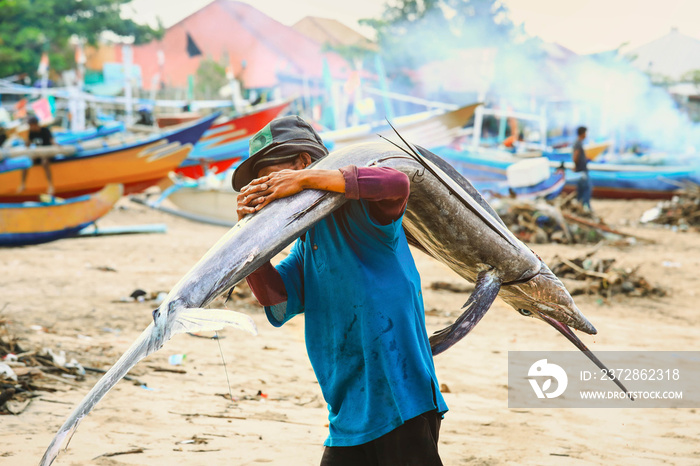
30, 27
210, 78
693, 77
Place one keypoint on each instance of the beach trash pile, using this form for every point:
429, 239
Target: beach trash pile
541, 222
24, 372
593, 276
681, 213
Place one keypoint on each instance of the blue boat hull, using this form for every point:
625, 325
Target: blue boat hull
74, 137
25, 239
625, 182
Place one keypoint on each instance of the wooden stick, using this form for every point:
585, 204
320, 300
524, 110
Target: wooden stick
562, 223
219, 416
223, 416
60, 379
584, 271
166, 369
116, 453
602, 227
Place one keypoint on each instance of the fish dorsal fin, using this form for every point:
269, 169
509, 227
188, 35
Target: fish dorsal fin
200, 319
460, 180
474, 203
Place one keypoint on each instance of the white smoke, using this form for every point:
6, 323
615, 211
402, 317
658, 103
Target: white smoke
606, 93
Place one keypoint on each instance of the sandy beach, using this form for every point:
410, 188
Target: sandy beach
66, 296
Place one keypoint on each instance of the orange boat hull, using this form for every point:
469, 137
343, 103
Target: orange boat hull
136, 168
34, 223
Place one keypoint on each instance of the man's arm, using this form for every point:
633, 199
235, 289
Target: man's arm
284, 183
387, 190
267, 285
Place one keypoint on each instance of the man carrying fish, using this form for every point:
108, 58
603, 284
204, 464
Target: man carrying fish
353, 276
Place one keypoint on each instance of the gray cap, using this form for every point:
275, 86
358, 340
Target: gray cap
280, 141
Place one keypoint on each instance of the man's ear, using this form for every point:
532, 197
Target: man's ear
305, 159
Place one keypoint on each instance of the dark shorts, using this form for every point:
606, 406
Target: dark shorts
414, 443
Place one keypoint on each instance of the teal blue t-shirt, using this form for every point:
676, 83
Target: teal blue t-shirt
357, 283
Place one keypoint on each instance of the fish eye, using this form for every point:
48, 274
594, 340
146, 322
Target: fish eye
525, 312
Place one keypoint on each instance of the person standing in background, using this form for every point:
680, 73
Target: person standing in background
584, 188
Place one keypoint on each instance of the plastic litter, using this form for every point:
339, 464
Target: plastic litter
176, 359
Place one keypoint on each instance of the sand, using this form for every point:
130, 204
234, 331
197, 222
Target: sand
277, 415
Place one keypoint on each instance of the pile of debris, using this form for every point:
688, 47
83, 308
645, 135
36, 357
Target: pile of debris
588, 275
681, 212
24, 372
562, 220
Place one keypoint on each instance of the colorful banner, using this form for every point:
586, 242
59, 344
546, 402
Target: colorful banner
43, 64
42, 110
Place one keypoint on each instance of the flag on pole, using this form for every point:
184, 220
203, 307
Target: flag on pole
43, 64
192, 49
42, 110
80, 58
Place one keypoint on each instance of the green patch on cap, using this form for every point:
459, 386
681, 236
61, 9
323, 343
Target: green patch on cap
261, 140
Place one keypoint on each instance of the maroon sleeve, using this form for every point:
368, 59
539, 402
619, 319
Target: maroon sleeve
387, 190
267, 285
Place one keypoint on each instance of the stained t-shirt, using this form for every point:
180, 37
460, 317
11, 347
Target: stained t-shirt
358, 286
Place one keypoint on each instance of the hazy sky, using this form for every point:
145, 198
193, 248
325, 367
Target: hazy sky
584, 26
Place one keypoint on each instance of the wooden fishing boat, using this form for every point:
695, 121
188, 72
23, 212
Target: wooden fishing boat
173, 119
41, 222
550, 188
216, 206
610, 181
432, 129
15, 163
73, 137
137, 165
210, 199
226, 143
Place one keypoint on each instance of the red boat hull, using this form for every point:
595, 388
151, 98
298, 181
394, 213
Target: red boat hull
226, 143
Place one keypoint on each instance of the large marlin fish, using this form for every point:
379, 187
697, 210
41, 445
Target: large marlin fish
445, 217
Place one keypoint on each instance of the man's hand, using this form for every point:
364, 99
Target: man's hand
261, 191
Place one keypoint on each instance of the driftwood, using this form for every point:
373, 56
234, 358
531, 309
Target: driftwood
599, 277
117, 453
603, 227
29, 368
562, 220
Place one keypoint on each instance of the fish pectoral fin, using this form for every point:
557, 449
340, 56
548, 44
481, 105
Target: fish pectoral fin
488, 284
200, 319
